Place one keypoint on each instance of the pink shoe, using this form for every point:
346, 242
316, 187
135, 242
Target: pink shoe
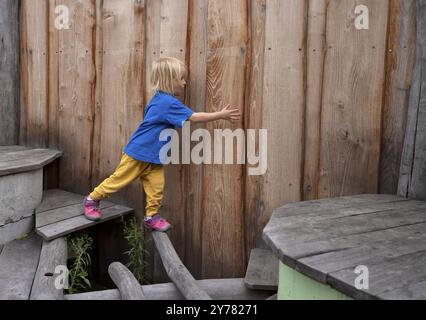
157, 223
92, 211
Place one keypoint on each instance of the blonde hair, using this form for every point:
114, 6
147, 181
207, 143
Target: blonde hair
164, 71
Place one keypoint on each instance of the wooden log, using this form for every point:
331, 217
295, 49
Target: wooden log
399, 71
218, 289
9, 72
126, 282
176, 270
412, 179
53, 253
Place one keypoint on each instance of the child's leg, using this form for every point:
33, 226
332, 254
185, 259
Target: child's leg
127, 171
153, 184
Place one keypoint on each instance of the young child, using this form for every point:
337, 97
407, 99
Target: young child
140, 158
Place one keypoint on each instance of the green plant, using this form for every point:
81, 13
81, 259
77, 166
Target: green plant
135, 237
81, 244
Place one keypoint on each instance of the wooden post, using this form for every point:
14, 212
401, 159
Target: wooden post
9, 72
412, 179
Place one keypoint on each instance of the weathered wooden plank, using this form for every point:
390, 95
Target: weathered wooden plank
127, 285
218, 289
53, 253
262, 270
417, 188
388, 275
53, 216
273, 297
399, 70
352, 99
34, 73
18, 264
254, 208
176, 270
223, 240
26, 160
61, 228
57, 198
315, 55
328, 256
9, 72
76, 90
196, 91
14, 148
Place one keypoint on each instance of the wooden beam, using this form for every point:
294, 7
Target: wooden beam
9, 72
126, 282
218, 289
176, 270
53, 253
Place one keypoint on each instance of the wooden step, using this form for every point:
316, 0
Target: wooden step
262, 270
15, 159
18, 264
61, 213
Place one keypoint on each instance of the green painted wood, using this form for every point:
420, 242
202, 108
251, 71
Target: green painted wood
293, 285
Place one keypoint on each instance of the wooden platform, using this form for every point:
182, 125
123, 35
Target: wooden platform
27, 268
327, 239
15, 159
262, 270
61, 213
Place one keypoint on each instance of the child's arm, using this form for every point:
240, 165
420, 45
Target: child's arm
226, 114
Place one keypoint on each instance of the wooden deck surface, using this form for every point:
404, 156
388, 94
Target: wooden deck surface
327, 239
61, 213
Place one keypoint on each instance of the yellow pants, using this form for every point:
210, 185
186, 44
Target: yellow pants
150, 174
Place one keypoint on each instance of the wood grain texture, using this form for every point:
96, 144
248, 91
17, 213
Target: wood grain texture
218, 289
76, 90
262, 270
127, 285
383, 232
254, 206
315, 55
34, 72
352, 100
9, 72
175, 269
399, 71
18, 265
196, 97
53, 253
223, 240
413, 172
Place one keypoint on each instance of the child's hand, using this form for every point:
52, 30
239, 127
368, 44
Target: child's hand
230, 114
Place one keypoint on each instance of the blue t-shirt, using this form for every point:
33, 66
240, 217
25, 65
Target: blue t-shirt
164, 111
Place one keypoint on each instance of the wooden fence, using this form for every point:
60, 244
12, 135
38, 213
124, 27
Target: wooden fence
333, 97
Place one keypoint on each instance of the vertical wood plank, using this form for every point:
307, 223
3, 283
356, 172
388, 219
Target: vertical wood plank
76, 90
254, 203
284, 102
315, 66
413, 170
223, 240
196, 92
34, 66
9, 72
352, 99
118, 96
399, 71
